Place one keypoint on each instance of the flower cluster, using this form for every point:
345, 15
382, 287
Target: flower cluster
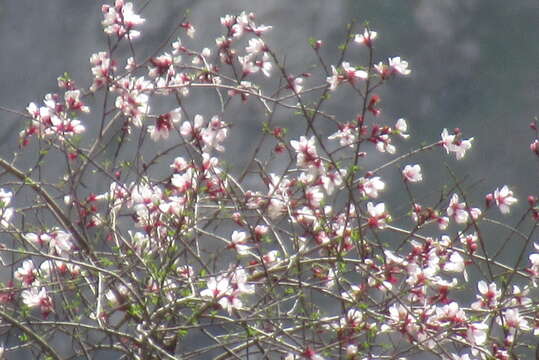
160, 240
55, 118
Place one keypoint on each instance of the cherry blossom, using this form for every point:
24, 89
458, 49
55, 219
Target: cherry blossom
26, 273
256, 46
192, 130
306, 151
454, 143
489, 295
504, 199
378, 215
352, 74
164, 124
103, 68
347, 135
366, 38
216, 287
370, 187
133, 100
459, 211
333, 80
399, 66
412, 173
35, 297
512, 319
120, 19
401, 127
239, 238
296, 223
214, 134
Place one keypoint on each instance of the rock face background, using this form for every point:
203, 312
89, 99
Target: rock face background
474, 66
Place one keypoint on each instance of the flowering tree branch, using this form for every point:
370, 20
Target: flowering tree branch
144, 242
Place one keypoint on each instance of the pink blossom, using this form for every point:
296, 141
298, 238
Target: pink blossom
102, 69
332, 180
61, 243
192, 130
352, 74
133, 100
26, 273
162, 66
512, 319
72, 100
214, 134
371, 186
59, 267
185, 271
37, 239
459, 211
216, 287
377, 214
189, 29
314, 196
38, 298
179, 164
401, 127
239, 238
306, 151
488, 298
163, 124
454, 143
256, 46
477, 333
504, 199
118, 295
333, 80
399, 66
120, 19
347, 135
412, 173
383, 144
366, 38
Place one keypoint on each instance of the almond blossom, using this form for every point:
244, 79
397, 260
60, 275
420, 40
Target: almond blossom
459, 211
504, 199
370, 187
366, 38
378, 215
352, 74
26, 273
133, 99
137, 261
163, 124
238, 240
399, 66
454, 143
489, 295
412, 173
120, 19
35, 297
401, 127
103, 68
306, 151
477, 334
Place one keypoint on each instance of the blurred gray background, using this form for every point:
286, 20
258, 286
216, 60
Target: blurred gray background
474, 66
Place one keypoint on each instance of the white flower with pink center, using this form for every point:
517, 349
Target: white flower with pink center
412, 173
504, 199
